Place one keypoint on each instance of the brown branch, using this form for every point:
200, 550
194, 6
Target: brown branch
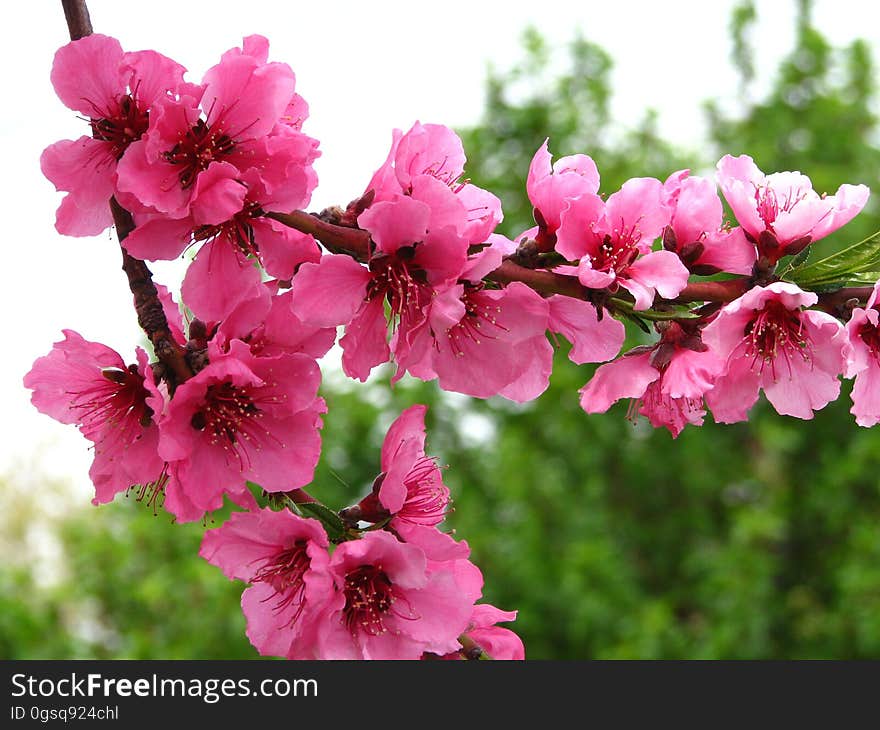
840, 303
713, 291
150, 314
336, 238
543, 282
77, 15
356, 242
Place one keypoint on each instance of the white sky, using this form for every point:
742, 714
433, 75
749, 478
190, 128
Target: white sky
364, 68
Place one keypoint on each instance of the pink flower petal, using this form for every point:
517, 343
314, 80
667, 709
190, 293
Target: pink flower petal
86, 74
218, 280
392, 224
592, 340
330, 292
626, 377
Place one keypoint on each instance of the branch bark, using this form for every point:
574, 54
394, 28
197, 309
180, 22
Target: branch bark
78, 21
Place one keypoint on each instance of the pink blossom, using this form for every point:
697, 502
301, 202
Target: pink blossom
388, 603
613, 239
478, 341
781, 212
427, 163
114, 405
270, 328
242, 418
498, 642
595, 335
863, 360
484, 342
222, 275
551, 189
697, 232
770, 342
284, 558
410, 263
410, 487
666, 381
115, 91
237, 117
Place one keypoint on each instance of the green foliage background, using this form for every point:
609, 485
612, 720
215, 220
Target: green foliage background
759, 540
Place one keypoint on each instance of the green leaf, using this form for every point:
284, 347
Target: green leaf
799, 260
626, 310
638, 321
331, 521
854, 265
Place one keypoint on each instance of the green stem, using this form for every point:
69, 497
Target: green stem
471, 649
652, 315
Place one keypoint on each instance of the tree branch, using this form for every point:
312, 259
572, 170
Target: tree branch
151, 315
840, 303
342, 239
77, 16
356, 243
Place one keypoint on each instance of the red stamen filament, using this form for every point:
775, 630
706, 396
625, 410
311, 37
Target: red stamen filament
369, 598
776, 332
284, 572
480, 322
231, 417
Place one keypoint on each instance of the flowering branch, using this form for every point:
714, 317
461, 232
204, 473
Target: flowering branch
211, 165
356, 243
151, 316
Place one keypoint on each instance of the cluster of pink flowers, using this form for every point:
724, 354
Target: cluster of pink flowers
252, 413
405, 591
196, 164
200, 165
766, 339
215, 166
447, 324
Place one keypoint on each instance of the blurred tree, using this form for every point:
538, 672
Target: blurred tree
744, 541
818, 116
758, 540
531, 102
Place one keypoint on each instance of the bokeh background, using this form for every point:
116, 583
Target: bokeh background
758, 540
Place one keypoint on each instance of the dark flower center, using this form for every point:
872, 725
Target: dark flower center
776, 332
237, 231
480, 321
226, 413
196, 149
368, 597
616, 253
403, 285
231, 417
121, 126
118, 400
